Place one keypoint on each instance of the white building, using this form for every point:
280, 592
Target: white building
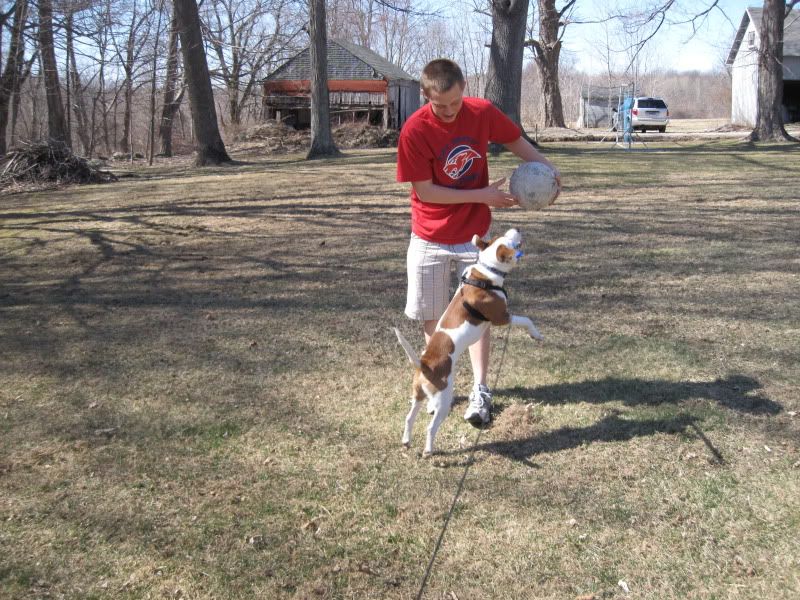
743, 63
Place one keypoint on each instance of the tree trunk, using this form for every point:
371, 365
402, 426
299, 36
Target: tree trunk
547, 52
504, 77
104, 110
152, 137
56, 122
81, 116
769, 110
321, 137
171, 101
235, 108
17, 98
11, 75
209, 146
125, 145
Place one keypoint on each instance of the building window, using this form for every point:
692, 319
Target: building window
751, 39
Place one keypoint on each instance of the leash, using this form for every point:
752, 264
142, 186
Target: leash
460, 488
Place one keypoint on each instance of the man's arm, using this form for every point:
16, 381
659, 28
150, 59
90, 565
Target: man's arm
492, 195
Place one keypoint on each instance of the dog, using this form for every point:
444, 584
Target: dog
480, 301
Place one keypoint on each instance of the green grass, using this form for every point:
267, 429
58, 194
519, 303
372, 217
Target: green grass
201, 396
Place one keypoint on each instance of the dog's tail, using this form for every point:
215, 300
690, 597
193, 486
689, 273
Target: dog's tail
412, 356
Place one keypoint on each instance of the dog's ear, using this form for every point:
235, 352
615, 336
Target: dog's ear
481, 245
505, 254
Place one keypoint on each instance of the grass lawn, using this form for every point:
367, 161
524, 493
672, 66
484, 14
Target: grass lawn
201, 396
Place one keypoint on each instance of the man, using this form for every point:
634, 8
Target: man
442, 152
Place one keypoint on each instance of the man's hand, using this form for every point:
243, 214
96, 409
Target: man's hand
497, 198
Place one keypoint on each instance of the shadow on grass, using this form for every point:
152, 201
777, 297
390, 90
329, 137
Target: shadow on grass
732, 392
736, 392
613, 428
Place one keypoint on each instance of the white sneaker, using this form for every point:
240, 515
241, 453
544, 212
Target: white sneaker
480, 406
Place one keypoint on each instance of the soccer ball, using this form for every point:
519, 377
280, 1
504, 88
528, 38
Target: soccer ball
534, 184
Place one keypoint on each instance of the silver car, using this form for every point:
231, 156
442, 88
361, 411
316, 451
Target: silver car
646, 113
649, 113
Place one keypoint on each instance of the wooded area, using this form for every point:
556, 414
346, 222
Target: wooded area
112, 76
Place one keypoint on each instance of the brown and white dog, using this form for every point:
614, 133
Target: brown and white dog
479, 302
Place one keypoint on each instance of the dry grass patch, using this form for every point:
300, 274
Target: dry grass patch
201, 396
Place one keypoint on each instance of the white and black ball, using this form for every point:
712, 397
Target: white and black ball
534, 184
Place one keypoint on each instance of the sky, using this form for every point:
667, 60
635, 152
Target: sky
674, 46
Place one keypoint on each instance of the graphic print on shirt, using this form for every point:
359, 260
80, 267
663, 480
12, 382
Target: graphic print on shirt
459, 160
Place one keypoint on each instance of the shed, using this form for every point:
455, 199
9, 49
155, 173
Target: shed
743, 63
362, 84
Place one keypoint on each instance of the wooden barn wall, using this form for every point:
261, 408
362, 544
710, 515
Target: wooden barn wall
293, 95
404, 98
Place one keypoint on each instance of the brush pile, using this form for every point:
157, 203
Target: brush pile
361, 135
47, 163
278, 138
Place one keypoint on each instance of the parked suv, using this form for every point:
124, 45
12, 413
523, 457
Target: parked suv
647, 113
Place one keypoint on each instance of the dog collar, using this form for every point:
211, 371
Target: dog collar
492, 269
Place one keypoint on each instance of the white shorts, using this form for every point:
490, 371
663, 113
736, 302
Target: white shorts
430, 267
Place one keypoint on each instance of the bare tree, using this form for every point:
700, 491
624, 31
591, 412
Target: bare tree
129, 52
471, 50
353, 20
56, 121
77, 88
399, 30
245, 36
153, 82
322, 143
11, 75
209, 146
504, 78
396, 33
16, 100
172, 97
436, 43
547, 54
769, 111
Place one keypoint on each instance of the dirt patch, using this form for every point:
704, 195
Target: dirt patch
518, 421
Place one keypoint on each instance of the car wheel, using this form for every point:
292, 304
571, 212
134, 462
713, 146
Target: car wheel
662, 129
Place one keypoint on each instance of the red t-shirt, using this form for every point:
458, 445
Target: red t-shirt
451, 155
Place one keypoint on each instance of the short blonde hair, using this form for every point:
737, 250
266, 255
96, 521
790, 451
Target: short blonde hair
440, 75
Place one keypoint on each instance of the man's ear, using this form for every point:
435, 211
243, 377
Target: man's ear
481, 245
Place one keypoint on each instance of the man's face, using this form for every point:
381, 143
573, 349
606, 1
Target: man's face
445, 105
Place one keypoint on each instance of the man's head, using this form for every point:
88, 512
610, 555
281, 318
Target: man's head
443, 85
